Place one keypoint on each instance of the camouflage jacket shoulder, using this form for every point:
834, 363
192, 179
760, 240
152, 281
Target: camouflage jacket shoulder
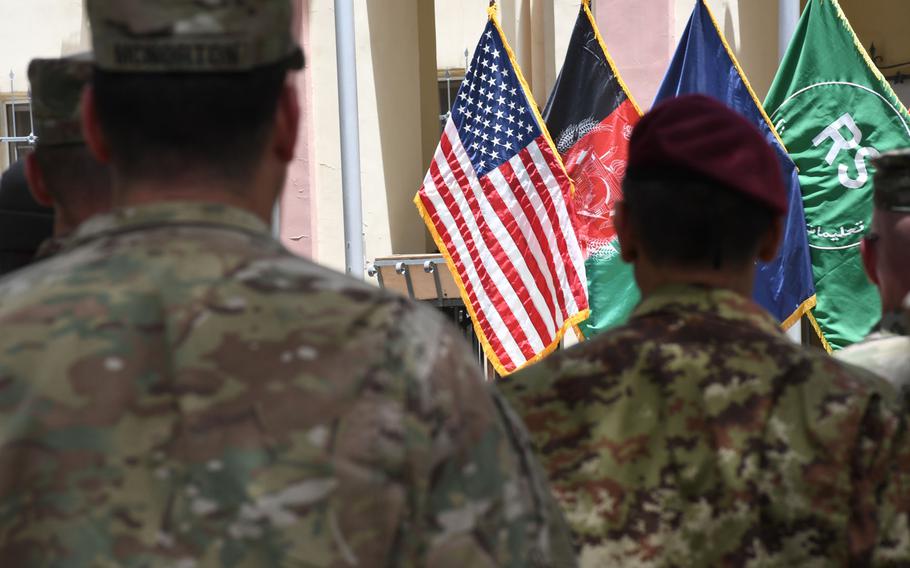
178, 389
699, 435
886, 352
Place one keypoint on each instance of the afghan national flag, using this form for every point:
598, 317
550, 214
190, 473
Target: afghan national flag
591, 115
835, 112
705, 64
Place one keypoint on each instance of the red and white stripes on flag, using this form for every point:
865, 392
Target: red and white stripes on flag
498, 202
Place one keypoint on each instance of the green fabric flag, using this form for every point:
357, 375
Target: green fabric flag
835, 112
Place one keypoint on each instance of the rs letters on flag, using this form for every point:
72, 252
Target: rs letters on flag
836, 112
704, 64
591, 116
498, 203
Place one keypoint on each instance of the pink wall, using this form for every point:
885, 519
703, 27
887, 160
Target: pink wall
642, 57
298, 207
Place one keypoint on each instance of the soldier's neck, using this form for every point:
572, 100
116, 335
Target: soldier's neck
651, 278
146, 193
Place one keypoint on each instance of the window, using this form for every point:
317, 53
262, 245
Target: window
18, 118
449, 82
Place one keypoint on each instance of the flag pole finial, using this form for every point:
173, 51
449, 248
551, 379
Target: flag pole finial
493, 10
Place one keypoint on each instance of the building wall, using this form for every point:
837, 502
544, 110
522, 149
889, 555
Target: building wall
36, 28
297, 221
392, 105
642, 37
458, 24
537, 30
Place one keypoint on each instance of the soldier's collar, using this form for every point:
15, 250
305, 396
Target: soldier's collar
896, 322
703, 299
184, 213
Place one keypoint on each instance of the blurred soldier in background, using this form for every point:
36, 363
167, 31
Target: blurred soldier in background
24, 223
61, 171
179, 390
886, 256
698, 434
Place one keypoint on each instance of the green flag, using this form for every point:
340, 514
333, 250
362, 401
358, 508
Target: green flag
835, 112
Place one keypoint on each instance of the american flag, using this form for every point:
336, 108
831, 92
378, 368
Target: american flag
498, 201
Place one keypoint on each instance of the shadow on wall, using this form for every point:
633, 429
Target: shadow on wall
394, 32
755, 43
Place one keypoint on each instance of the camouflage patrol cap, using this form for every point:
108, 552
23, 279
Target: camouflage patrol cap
192, 36
892, 181
56, 91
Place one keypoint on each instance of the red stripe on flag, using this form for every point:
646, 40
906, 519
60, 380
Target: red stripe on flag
505, 264
482, 320
496, 297
542, 238
575, 285
524, 248
547, 235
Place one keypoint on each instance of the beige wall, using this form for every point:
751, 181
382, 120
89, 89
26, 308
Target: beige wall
458, 27
537, 30
36, 28
392, 113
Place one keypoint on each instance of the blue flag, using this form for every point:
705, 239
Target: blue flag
705, 64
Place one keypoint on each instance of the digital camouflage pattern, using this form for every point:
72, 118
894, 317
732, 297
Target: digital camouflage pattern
192, 36
178, 390
57, 86
886, 352
699, 435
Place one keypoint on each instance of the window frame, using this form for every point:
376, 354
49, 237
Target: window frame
446, 79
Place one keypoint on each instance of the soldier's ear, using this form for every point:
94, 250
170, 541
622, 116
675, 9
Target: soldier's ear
771, 240
287, 123
625, 233
870, 258
36, 184
91, 128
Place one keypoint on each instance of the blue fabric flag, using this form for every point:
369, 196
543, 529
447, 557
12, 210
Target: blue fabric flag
704, 64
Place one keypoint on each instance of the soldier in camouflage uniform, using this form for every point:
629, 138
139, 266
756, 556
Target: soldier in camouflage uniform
698, 434
61, 171
178, 390
886, 256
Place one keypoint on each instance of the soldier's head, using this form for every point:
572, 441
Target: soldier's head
24, 223
886, 249
191, 98
62, 172
704, 197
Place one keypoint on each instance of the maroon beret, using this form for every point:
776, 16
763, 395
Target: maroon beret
699, 135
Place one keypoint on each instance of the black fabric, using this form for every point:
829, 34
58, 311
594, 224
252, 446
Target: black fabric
24, 224
586, 80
